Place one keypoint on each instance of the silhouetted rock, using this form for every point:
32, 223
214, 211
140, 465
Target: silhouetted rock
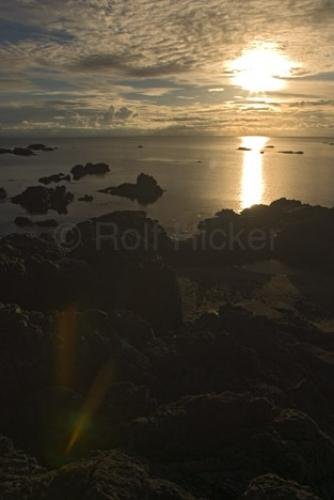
17, 471
308, 240
292, 152
23, 152
113, 475
94, 355
23, 222
87, 198
79, 171
145, 191
47, 223
54, 178
4, 151
38, 199
241, 438
41, 147
271, 486
3, 194
242, 148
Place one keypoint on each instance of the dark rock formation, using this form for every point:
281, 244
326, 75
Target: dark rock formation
94, 356
115, 271
145, 191
47, 223
26, 222
271, 486
23, 152
54, 178
87, 198
28, 151
23, 222
38, 199
112, 475
79, 171
41, 147
18, 471
289, 230
292, 152
3, 194
242, 148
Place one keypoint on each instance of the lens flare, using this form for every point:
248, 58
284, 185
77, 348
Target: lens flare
93, 401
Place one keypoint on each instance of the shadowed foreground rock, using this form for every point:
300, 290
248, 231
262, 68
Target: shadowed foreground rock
293, 232
118, 397
274, 487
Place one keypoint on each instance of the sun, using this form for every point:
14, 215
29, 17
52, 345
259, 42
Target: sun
261, 69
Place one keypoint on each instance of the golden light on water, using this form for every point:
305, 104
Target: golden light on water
252, 184
261, 69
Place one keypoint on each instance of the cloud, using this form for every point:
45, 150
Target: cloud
160, 62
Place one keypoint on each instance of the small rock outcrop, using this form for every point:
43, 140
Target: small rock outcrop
87, 198
28, 151
23, 152
38, 199
79, 171
146, 190
41, 147
54, 178
3, 194
292, 152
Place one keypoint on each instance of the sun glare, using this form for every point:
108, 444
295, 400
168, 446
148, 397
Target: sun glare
261, 69
252, 184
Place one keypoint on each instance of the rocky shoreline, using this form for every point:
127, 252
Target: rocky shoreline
117, 393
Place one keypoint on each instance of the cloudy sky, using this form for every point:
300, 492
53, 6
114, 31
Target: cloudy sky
72, 67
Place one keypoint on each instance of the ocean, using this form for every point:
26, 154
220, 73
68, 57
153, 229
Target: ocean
200, 175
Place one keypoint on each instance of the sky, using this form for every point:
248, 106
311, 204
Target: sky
129, 67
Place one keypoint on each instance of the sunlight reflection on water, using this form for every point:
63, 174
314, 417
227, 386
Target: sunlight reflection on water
252, 183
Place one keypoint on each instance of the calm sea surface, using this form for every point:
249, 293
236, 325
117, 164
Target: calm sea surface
200, 175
